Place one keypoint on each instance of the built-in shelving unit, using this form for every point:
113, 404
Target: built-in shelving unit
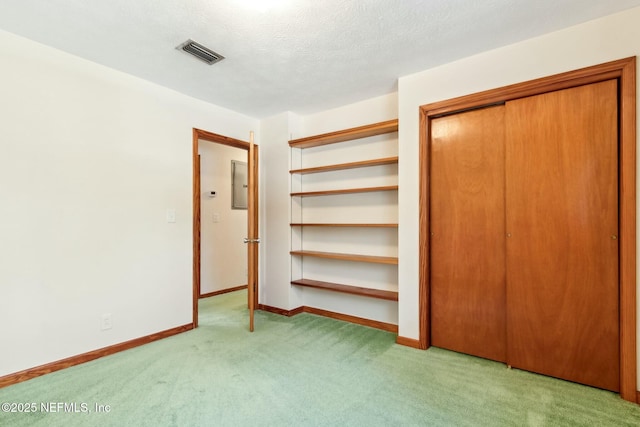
377, 231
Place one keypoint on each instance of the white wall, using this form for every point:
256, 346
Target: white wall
378, 109
602, 40
90, 160
223, 253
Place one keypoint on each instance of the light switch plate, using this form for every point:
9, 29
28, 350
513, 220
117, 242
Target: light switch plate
171, 215
106, 322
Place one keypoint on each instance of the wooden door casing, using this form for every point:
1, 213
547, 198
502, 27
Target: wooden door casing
562, 219
467, 233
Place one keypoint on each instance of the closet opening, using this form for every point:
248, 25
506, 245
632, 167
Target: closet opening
615, 78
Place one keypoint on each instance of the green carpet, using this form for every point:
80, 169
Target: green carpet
305, 371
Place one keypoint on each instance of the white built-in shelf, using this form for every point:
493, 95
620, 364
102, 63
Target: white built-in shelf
376, 228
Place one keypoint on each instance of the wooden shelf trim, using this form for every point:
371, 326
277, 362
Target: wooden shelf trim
318, 224
345, 191
349, 257
346, 134
348, 289
343, 166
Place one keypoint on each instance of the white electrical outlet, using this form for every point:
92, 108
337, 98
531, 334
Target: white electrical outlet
216, 217
106, 322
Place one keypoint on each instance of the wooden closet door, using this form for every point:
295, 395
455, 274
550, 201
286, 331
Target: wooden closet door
562, 220
468, 229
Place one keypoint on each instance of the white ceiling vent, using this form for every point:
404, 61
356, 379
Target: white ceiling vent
201, 52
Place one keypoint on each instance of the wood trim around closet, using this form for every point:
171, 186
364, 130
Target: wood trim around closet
624, 71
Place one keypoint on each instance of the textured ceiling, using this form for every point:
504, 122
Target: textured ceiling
301, 55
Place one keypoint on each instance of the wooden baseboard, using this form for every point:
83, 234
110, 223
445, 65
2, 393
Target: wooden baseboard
28, 374
280, 311
297, 311
409, 342
223, 291
389, 327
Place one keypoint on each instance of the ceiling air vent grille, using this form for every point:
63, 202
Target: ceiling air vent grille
201, 52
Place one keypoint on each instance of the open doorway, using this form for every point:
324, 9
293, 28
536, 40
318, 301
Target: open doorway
222, 217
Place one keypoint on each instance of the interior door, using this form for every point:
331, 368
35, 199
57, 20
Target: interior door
468, 233
252, 239
562, 223
197, 241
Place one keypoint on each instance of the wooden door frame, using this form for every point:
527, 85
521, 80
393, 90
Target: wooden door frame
204, 135
624, 71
